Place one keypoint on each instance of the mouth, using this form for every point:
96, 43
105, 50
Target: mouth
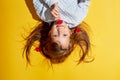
59, 21
60, 26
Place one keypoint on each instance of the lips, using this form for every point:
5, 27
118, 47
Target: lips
59, 21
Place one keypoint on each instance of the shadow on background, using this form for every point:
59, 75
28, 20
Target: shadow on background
31, 8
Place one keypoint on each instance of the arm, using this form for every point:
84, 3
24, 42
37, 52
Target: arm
55, 11
38, 5
50, 2
83, 3
45, 12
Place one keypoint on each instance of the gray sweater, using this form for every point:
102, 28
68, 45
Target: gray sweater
72, 12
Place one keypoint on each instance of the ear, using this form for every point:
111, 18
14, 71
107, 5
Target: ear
72, 31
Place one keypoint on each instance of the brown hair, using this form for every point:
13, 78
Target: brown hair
52, 50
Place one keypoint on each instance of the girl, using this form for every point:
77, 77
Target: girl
60, 30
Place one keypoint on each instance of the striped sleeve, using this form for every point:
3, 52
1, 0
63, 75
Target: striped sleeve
38, 5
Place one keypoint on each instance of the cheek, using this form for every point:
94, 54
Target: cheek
68, 31
52, 31
65, 44
49, 34
65, 41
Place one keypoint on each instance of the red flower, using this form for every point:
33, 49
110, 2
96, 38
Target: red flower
77, 30
59, 21
37, 49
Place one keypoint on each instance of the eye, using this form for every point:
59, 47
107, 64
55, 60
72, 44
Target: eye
64, 34
55, 35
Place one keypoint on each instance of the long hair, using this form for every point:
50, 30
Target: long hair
52, 50
82, 39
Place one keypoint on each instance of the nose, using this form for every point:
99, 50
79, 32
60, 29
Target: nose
60, 30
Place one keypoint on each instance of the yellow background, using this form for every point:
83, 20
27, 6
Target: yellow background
104, 19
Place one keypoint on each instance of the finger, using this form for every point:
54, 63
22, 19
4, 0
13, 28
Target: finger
55, 15
56, 7
55, 12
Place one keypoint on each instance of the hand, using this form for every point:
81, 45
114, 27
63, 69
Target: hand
54, 11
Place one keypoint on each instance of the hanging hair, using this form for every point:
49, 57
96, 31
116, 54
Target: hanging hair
52, 50
82, 39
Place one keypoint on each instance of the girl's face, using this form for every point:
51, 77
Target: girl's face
60, 33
